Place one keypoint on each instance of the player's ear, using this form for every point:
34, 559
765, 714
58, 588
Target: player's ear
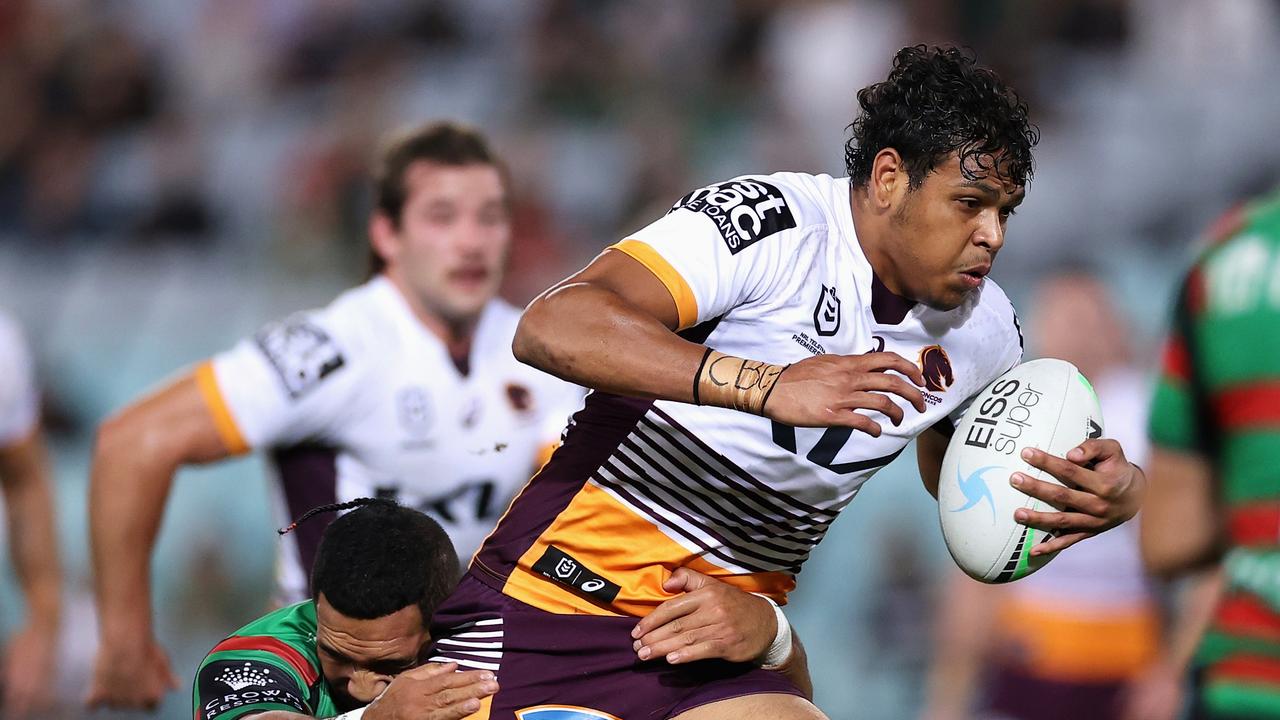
382, 235
888, 178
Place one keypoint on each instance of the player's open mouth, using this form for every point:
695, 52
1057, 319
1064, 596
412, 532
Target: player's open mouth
973, 276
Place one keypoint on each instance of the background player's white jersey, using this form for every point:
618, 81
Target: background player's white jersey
19, 397
766, 268
360, 399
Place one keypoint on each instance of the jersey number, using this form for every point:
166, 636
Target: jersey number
823, 453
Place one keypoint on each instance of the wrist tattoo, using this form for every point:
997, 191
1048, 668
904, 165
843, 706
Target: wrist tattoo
734, 382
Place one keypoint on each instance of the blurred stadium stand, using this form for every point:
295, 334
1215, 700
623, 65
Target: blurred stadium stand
174, 173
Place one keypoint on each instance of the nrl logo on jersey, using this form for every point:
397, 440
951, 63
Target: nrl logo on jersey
745, 211
826, 314
413, 410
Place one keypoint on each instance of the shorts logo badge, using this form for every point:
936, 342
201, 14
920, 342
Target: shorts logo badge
826, 314
566, 568
556, 565
561, 712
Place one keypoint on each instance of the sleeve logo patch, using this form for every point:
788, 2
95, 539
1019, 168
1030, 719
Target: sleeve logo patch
239, 678
224, 686
744, 211
301, 352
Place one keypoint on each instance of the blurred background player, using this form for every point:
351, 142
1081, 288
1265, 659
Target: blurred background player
407, 376
380, 570
1215, 497
28, 668
1064, 643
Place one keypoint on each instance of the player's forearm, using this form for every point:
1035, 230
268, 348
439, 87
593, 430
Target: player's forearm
135, 456
593, 337
32, 535
1194, 612
1179, 529
279, 715
129, 483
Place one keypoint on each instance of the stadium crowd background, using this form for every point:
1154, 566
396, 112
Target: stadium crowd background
174, 174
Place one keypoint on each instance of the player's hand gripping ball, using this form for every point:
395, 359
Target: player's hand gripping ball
1027, 474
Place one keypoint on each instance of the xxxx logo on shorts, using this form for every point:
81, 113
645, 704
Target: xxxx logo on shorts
562, 712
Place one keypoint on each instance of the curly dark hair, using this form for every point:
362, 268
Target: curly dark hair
937, 101
381, 558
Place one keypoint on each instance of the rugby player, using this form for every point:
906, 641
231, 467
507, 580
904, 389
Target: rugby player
404, 387
379, 572
749, 358
28, 670
1214, 509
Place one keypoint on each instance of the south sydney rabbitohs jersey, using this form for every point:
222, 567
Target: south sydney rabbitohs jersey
359, 399
766, 268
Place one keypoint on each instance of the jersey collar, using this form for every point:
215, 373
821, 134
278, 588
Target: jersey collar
887, 308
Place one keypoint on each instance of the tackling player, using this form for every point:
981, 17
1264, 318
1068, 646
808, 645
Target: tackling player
741, 351
28, 670
379, 572
404, 387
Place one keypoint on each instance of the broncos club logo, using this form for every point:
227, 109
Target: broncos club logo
936, 367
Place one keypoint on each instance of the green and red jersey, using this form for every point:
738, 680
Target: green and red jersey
1219, 397
269, 664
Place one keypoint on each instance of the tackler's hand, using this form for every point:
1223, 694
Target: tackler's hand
1100, 490
710, 619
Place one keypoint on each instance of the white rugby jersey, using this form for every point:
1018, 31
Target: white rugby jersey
767, 268
19, 397
359, 399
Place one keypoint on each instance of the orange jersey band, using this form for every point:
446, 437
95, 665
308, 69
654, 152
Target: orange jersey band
218, 410
1059, 643
681, 293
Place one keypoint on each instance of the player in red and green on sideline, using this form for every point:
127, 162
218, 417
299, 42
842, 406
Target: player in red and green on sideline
1214, 501
379, 572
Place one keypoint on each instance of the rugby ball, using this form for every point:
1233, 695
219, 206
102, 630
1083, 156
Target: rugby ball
1046, 404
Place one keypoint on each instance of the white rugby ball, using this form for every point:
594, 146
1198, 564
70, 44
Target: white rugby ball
1046, 404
